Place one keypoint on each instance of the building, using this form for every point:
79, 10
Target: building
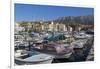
46, 26
62, 27
69, 28
18, 28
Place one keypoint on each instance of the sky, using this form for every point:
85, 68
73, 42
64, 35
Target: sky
31, 12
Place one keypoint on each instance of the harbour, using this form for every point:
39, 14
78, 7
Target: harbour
53, 34
69, 49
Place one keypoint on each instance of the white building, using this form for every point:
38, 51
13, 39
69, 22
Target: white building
18, 28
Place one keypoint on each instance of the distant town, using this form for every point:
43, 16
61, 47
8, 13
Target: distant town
55, 26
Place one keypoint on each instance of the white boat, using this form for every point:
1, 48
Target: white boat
79, 43
67, 34
29, 58
82, 35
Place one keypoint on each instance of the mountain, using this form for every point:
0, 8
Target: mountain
76, 20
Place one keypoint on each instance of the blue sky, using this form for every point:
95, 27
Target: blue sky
29, 12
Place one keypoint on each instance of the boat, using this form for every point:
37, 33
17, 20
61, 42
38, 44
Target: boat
67, 34
90, 56
82, 35
55, 49
79, 43
31, 57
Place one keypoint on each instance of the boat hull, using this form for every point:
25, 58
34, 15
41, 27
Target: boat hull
22, 62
